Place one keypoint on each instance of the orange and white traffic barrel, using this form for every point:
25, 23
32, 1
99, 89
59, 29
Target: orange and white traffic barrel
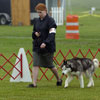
72, 27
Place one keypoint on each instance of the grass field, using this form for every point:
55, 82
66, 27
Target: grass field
81, 6
14, 37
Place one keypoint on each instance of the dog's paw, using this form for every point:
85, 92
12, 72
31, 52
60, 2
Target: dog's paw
82, 87
90, 84
66, 86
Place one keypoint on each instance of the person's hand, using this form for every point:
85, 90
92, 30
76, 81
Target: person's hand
37, 34
43, 45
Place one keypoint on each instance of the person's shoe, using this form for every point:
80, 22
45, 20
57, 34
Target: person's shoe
59, 83
31, 86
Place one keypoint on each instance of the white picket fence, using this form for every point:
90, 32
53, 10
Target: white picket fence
58, 14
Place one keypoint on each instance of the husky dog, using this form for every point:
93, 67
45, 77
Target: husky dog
78, 66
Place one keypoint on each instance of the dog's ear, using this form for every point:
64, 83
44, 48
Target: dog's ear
64, 63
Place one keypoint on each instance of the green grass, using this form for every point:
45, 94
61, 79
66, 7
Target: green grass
47, 90
14, 37
81, 6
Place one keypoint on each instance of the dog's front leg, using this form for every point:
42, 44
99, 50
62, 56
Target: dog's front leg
81, 81
91, 82
68, 80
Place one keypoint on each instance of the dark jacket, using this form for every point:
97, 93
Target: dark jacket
43, 27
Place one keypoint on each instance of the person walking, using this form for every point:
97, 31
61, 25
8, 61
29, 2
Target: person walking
44, 46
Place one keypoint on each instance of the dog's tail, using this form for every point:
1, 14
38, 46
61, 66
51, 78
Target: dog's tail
96, 63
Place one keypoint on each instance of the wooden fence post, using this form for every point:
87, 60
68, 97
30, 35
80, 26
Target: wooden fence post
20, 11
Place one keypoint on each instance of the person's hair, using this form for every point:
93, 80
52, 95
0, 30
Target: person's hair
41, 7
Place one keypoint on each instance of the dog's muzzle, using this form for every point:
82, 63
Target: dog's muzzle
64, 72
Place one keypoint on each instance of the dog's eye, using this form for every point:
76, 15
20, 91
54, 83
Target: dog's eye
70, 65
64, 67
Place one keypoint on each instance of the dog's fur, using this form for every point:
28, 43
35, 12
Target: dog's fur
78, 66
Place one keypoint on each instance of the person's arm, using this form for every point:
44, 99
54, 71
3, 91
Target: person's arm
51, 35
50, 38
52, 31
35, 34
